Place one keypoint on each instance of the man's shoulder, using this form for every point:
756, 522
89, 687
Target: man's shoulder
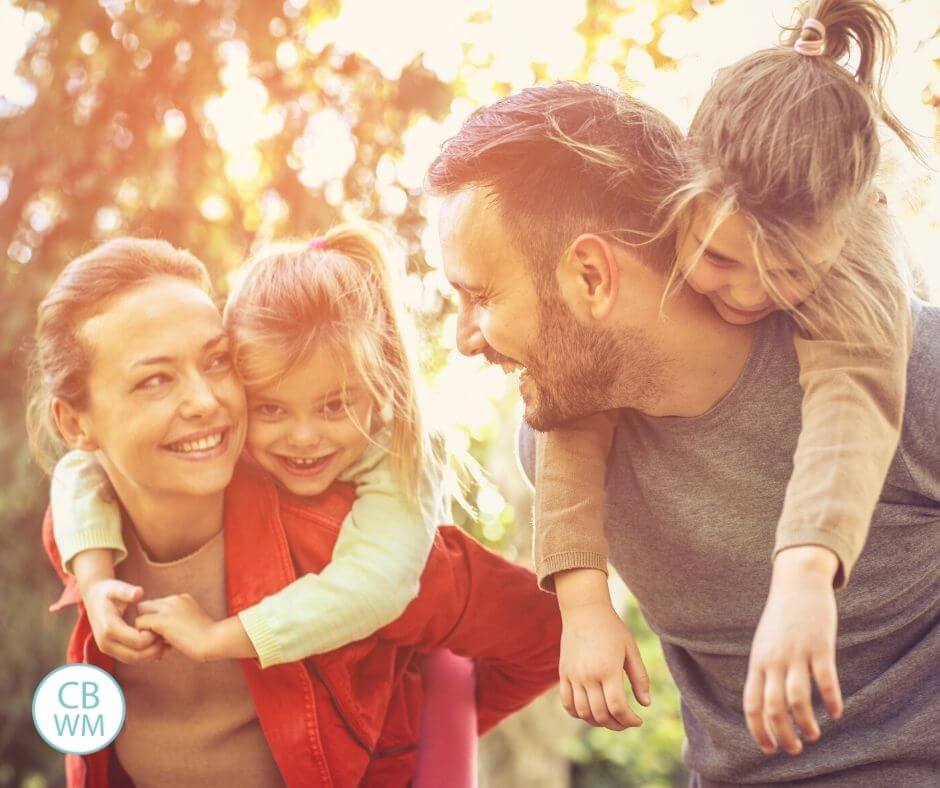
923, 370
926, 327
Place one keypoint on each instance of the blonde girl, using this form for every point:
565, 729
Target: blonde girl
775, 208
318, 343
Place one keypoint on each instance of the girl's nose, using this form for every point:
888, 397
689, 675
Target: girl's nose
303, 436
748, 296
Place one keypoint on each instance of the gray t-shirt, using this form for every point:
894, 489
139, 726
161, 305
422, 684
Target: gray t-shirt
692, 507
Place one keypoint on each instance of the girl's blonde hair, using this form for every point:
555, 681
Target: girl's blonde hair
334, 293
61, 360
790, 141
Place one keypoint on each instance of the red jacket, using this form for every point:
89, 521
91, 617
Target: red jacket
351, 717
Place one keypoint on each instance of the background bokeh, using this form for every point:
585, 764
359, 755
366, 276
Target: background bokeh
222, 124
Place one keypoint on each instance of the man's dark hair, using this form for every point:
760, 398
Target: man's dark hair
566, 159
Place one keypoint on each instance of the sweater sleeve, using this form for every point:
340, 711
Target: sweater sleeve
85, 513
570, 467
853, 408
373, 575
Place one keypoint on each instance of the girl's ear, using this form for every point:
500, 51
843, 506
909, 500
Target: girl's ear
72, 426
589, 277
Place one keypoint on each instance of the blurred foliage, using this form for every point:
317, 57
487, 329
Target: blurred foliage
222, 124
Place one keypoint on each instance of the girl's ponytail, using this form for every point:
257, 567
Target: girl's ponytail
833, 26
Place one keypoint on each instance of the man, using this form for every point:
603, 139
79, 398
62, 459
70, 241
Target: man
555, 272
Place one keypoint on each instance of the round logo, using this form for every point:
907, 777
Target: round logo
78, 709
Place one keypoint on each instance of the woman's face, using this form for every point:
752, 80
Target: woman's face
727, 274
166, 411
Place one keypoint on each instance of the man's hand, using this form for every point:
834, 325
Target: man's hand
182, 623
105, 602
596, 648
795, 640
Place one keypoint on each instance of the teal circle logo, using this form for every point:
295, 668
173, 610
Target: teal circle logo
78, 709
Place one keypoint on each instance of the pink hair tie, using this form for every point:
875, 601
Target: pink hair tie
317, 244
811, 47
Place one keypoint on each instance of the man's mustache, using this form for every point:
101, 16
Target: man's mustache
497, 358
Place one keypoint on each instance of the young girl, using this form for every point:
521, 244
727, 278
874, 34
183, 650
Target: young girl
775, 209
331, 395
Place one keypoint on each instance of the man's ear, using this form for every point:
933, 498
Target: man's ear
72, 426
589, 277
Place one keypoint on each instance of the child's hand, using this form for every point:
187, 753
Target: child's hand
105, 602
795, 639
596, 648
181, 622
190, 630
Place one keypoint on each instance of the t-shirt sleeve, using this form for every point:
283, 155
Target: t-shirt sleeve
85, 513
374, 573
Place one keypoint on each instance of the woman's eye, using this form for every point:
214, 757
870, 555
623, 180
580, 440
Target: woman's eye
220, 361
153, 382
267, 410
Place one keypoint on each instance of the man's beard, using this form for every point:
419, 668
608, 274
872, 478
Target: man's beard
577, 370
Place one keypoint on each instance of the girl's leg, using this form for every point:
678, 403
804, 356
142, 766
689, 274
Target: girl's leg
447, 750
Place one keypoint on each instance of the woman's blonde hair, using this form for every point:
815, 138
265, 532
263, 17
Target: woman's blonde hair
61, 361
336, 293
790, 141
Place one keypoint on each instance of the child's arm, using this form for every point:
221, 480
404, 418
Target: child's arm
571, 557
570, 467
373, 574
852, 410
85, 515
86, 523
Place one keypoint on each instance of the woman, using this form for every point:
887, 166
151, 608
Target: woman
205, 522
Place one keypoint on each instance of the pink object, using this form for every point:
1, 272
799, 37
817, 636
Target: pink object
317, 243
811, 48
447, 748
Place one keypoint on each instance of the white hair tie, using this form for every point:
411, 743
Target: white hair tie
811, 47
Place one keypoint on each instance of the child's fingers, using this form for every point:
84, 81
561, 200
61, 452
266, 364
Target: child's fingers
827, 679
150, 621
119, 591
636, 672
799, 699
119, 632
599, 710
775, 709
617, 703
581, 704
754, 709
567, 697
151, 606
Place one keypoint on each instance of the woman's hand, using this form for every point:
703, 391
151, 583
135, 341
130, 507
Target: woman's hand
596, 648
105, 603
795, 640
182, 623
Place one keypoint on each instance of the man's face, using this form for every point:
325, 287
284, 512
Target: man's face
568, 369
